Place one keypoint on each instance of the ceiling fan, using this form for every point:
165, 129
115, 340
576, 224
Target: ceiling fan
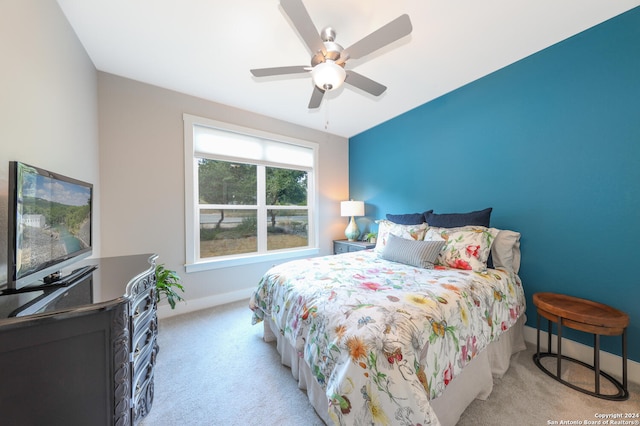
328, 58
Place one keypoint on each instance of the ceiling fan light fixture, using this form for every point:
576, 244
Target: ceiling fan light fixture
328, 75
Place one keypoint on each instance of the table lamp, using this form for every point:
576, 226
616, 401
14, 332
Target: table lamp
352, 208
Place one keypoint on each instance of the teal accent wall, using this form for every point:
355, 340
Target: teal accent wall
552, 143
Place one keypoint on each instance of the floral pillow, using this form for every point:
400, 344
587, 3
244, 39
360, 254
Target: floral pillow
467, 247
409, 232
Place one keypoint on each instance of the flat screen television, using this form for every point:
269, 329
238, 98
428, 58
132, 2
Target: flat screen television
49, 224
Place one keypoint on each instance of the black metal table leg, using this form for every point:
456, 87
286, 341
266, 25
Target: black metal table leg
596, 360
624, 360
559, 348
538, 336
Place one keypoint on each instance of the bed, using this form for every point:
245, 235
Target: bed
410, 332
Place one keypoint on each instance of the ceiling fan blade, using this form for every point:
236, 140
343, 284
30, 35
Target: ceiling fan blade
384, 35
344, 57
266, 72
300, 18
364, 83
316, 97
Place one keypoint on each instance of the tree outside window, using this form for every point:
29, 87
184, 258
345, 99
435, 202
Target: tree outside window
236, 217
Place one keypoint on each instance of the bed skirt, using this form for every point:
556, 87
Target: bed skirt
474, 382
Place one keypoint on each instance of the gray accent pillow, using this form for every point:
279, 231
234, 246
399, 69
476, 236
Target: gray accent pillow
421, 254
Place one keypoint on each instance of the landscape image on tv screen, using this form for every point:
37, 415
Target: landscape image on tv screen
53, 219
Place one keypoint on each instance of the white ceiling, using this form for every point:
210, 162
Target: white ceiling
205, 48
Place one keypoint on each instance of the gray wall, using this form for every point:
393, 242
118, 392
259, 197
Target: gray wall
142, 174
48, 101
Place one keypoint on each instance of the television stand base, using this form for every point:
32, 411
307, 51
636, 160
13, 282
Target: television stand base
62, 281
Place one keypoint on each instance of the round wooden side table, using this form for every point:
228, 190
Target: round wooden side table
590, 317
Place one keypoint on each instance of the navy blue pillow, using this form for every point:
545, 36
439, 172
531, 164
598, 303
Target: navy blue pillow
454, 220
408, 218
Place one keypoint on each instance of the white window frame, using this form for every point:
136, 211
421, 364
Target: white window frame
192, 221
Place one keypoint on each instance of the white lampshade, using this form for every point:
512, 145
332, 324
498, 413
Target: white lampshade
328, 75
352, 208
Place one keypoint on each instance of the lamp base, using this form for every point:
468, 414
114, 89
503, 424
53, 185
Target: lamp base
352, 232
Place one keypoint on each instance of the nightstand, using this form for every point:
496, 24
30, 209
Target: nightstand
346, 246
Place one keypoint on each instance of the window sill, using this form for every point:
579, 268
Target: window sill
230, 262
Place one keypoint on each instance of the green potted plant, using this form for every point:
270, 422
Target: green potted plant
167, 284
371, 237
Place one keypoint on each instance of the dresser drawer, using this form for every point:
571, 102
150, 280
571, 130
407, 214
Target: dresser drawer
339, 248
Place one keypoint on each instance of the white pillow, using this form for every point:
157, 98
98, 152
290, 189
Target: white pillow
505, 250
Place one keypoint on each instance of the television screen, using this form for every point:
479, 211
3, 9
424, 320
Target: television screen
49, 223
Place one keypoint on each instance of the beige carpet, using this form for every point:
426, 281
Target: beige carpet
214, 369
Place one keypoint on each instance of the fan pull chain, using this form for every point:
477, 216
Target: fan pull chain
326, 113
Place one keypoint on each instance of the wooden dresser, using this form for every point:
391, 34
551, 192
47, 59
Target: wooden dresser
82, 353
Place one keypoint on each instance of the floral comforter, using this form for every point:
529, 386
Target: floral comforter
383, 338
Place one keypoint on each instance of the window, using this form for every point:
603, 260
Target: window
250, 196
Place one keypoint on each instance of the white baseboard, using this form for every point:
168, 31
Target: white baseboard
609, 363
192, 305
